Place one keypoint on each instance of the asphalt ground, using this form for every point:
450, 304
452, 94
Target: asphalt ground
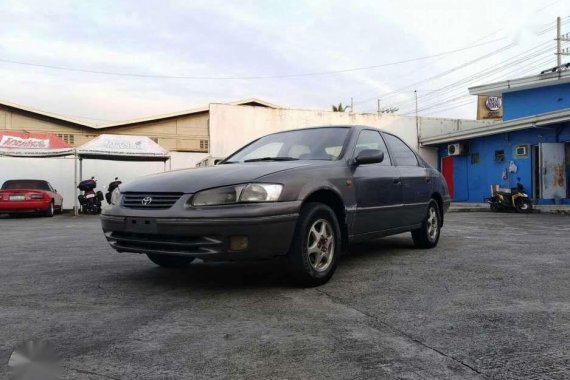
491, 301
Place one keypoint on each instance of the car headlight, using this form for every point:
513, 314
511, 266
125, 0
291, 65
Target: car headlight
253, 192
115, 196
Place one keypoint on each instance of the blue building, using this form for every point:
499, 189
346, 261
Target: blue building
532, 142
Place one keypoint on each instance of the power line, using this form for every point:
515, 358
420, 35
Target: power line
490, 71
319, 73
441, 74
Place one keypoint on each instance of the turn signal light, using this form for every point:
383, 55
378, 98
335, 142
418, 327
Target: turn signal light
238, 243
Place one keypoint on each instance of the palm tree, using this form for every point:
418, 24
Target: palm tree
339, 108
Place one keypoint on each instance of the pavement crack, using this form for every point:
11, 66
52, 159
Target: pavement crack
401, 332
85, 372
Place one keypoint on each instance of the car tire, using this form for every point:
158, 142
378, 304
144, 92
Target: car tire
170, 261
50, 212
427, 235
316, 245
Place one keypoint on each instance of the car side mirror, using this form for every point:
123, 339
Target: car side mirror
369, 156
55, 191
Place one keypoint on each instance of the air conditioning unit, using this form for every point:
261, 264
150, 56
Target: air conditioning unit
457, 149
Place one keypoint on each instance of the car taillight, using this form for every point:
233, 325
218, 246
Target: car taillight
36, 196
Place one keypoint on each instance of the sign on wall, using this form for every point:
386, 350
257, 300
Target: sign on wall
489, 108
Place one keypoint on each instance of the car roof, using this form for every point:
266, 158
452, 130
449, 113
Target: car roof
25, 179
354, 127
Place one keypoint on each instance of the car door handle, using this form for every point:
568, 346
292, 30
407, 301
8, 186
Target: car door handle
428, 180
397, 181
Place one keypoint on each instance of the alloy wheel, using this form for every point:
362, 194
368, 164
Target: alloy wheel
320, 245
432, 224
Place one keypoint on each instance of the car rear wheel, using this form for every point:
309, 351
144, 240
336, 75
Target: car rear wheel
50, 210
170, 261
427, 235
316, 245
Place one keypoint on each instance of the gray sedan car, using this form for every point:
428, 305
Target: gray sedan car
303, 195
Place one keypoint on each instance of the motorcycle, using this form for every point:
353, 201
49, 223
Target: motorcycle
112, 186
516, 199
90, 200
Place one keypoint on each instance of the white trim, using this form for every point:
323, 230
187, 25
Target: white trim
524, 83
535, 121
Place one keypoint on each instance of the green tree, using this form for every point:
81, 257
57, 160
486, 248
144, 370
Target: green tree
339, 108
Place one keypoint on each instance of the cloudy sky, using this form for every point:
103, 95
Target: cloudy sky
114, 60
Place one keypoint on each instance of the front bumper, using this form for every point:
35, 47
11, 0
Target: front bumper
269, 229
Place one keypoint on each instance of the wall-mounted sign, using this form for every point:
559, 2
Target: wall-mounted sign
489, 108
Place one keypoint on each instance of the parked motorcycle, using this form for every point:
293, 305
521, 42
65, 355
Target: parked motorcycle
517, 199
90, 200
112, 186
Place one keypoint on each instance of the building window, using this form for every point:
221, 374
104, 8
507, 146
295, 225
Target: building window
521, 151
474, 158
204, 144
68, 138
499, 156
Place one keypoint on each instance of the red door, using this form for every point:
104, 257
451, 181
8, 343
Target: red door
447, 171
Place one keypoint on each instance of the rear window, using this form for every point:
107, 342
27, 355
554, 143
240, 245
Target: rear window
26, 184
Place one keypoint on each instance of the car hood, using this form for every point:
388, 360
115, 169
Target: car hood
193, 180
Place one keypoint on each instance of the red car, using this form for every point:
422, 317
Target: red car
29, 195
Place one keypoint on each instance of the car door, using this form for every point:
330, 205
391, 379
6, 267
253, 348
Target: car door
378, 188
417, 183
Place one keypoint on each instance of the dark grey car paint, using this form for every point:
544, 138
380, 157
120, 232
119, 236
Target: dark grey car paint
378, 200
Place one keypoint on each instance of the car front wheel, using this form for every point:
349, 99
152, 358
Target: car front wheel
316, 245
170, 261
427, 235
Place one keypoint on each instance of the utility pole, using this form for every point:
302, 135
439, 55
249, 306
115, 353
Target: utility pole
417, 119
379, 107
351, 104
559, 39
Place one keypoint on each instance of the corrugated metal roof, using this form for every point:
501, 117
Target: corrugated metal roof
524, 83
541, 120
249, 101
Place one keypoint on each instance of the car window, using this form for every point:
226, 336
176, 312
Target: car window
265, 150
372, 140
26, 184
325, 143
401, 153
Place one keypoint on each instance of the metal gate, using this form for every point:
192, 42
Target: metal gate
552, 171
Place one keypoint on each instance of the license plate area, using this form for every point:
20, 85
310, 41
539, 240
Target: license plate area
17, 197
141, 225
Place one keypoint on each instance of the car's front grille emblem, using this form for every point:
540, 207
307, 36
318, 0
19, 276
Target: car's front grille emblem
149, 200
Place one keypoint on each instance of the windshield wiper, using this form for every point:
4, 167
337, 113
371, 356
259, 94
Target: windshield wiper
272, 159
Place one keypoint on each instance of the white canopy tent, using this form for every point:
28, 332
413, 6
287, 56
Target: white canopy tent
118, 148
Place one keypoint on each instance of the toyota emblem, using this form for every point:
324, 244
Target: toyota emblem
146, 201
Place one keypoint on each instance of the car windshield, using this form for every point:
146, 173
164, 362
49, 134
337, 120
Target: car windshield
301, 144
25, 184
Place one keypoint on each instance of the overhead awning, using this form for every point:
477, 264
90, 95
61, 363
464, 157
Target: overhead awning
24, 144
123, 148
543, 120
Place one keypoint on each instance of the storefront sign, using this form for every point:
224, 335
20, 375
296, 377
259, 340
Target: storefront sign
489, 108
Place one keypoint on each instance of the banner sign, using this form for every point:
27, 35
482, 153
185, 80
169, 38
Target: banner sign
23, 143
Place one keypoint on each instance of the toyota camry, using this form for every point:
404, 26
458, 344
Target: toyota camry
303, 195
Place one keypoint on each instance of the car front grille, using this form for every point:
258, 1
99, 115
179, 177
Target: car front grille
154, 201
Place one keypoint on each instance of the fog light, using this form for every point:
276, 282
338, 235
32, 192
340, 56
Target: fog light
238, 243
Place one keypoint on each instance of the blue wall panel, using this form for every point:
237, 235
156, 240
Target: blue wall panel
472, 181
535, 101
